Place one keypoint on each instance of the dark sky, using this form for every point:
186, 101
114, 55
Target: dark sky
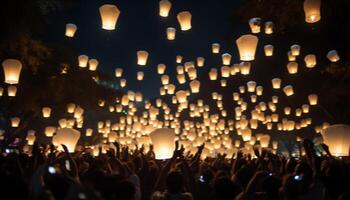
140, 27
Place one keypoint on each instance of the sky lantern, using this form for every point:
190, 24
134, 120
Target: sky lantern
68, 137
142, 57
195, 86
244, 67
109, 16
49, 131
313, 99
290, 56
268, 49
11, 91
184, 18
200, 61
333, 56
46, 112
226, 59
310, 60
15, 122
31, 139
161, 68
292, 67
140, 76
337, 137
251, 85
274, 144
225, 71
163, 143
255, 24
71, 107
83, 60
287, 110
223, 83
118, 72
215, 48
164, 8
178, 59
213, 74
247, 46
93, 63
312, 10
269, 27
70, 29
165, 79
89, 132
246, 134
12, 70
181, 96
274, 99
305, 108
170, 33
265, 141
295, 49
276, 83
181, 78
288, 90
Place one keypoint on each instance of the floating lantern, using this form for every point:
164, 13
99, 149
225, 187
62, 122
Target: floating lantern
274, 144
46, 112
274, 99
70, 30
244, 67
310, 61
49, 131
305, 108
333, 56
215, 48
71, 107
337, 137
265, 141
165, 79
200, 61
31, 139
170, 33
68, 137
225, 71
140, 76
181, 96
223, 83
226, 59
247, 46
142, 57
109, 15
246, 134
213, 74
288, 90
181, 78
313, 99
164, 8
295, 50
89, 132
268, 49
269, 27
93, 63
195, 85
292, 67
312, 10
178, 59
11, 91
15, 122
118, 72
276, 83
184, 18
161, 68
290, 56
12, 70
163, 143
255, 24
251, 85
83, 60
287, 110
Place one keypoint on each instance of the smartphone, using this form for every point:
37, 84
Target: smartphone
270, 174
51, 170
298, 177
67, 165
201, 179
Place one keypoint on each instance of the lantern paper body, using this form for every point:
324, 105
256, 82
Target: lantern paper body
264, 141
310, 61
333, 56
12, 70
164, 8
276, 83
163, 142
11, 91
142, 57
292, 67
70, 30
268, 50
184, 18
93, 63
109, 16
195, 86
312, 10
68, 137
118, 72
337, 137
83, 60
288, 90
255, 24
269, 27
247, 46
226, 58
15, 122
46, 112
170, 33
215, 48
313, 99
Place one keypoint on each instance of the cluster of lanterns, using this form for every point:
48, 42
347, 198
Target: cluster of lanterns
160, 125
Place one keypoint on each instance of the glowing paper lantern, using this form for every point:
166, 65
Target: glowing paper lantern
184, 18
142, 57
12, 70
164, 8
15, 122
181, 96
109, 15
195, 86
161, 68
295, 50
118, 72
215, 48
292, 67
288, 90
178, 59
244, 67
310, 61
46, 112
49, 131
163, 142
290, 56
71, 107
226, 58
269, 27
268, 49
337, 137
265, 141
255, 24
251, 85
247, 46
140, 76
70, 30
83, 60
11, 91
68, 137
333, 56
89, 132
313, 99
225, 71
213, 74
200, 61
312, 10
170, 33
276, 83
246, 134
93, 63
